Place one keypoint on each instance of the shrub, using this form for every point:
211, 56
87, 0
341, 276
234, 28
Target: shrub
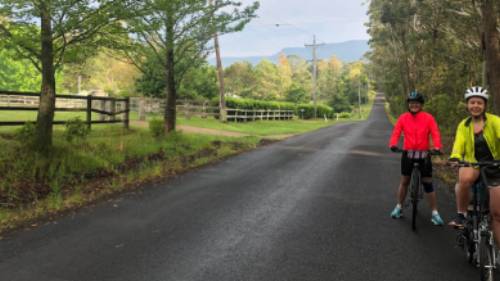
345, 115
157, 127
76, 130
26, 135
306, 111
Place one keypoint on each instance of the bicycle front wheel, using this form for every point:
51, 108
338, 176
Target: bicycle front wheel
414, 193
486, 260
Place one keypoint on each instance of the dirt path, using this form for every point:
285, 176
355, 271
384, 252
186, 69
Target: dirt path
196, 130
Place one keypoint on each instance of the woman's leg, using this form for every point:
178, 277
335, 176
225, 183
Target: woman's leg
466, 178
495, 211
431, 194
403, 188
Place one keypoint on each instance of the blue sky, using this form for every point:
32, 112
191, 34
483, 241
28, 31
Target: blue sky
331, 20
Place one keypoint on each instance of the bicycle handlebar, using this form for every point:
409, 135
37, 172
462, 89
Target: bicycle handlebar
480, 164
431, 152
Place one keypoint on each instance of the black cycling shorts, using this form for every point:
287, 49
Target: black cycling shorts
425, 165
493, 176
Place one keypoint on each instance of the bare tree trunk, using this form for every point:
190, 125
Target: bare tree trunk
220, 72
48, 92
171, 91
220, 76
492, 50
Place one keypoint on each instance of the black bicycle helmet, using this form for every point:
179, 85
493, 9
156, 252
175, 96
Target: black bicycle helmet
415, 96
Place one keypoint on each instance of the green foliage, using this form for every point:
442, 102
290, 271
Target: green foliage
433, 46
297, 94
19, 28
257, 104
345, 115
105, 71
17, 75
157, 127
198, 82
26, 135
240, 79
108, 153
76, 130
290, 80
189, 26
268, 85
340, 103
306, 111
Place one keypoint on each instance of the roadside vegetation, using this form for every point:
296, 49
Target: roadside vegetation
47, 168
439, 48
83, 168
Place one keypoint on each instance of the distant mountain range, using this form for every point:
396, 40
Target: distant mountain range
348, 51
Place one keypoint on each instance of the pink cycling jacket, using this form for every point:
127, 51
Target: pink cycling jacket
416, 130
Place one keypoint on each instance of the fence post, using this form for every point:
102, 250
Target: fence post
113, 109
142, 108
127, 112
89, 111
102, 104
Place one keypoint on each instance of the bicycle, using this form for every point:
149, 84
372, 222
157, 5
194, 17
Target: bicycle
476, 237
415, 187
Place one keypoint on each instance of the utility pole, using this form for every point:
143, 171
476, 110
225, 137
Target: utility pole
220, 72
359, 96
315, 72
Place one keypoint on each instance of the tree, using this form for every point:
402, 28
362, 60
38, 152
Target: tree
490, 10
285, 73
297, 94
17, 75
437, 47
104, 71
328, 75
268, 81
301, 74
66, 30
177, 34
240, 79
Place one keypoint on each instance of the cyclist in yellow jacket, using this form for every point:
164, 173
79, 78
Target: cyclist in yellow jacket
477, 139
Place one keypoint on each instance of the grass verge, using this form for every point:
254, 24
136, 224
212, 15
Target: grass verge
110, 161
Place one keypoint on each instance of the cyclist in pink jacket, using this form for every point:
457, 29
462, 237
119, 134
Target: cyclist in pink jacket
416, 126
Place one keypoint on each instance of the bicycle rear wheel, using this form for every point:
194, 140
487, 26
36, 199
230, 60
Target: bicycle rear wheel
486, 259
414, 193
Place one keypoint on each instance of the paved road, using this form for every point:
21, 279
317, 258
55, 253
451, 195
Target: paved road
313, 207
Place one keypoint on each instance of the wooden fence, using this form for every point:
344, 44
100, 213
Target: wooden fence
188, 108
245, 115
108, 108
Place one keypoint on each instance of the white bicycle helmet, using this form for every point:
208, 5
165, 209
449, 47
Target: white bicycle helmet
476, 92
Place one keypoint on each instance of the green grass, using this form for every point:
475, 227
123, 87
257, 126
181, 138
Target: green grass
258, 128
112, 159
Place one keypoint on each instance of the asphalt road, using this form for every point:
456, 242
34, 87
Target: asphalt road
313, 207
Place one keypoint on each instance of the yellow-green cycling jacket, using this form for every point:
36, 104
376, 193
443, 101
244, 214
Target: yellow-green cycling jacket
463, 148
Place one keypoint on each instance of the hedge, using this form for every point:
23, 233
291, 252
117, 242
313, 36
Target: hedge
308, 113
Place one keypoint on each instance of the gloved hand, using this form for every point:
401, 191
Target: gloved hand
394, 149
